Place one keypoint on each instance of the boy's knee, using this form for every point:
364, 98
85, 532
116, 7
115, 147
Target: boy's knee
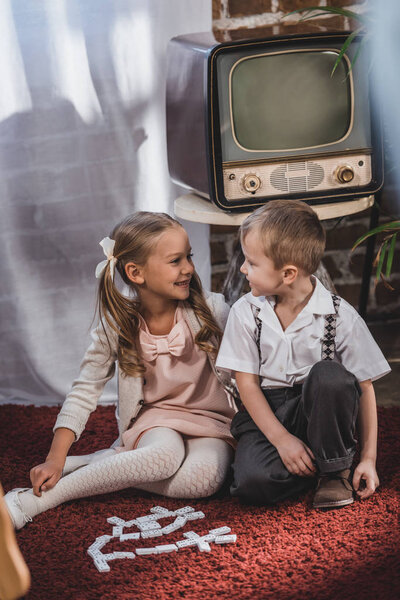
328, 375
327, 370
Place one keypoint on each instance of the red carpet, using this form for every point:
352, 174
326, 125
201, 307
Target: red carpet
286, 552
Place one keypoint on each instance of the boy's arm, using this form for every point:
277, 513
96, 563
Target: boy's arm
295, 455
367, 424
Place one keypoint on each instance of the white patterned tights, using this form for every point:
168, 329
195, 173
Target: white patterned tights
163, 463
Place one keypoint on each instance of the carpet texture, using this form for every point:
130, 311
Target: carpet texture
288, 552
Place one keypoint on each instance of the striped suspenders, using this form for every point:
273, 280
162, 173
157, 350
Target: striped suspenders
329, 339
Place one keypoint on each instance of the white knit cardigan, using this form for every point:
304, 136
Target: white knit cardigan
98, 366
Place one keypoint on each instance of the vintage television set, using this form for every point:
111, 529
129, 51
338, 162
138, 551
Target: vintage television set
250, 120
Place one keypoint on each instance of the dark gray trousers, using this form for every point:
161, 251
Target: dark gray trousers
322, 413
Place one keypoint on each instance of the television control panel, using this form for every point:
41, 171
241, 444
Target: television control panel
272, 179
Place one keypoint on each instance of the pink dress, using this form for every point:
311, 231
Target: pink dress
181, 391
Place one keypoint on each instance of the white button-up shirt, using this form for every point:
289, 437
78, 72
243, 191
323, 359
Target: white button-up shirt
288, 355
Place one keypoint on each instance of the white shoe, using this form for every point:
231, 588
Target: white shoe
18, 517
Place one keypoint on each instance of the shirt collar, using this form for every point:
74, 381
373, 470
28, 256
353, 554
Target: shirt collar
320, 303
267, 312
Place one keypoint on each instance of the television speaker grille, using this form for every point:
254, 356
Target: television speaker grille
297, 177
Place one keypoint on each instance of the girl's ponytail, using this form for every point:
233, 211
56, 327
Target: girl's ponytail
120, 314
210, 335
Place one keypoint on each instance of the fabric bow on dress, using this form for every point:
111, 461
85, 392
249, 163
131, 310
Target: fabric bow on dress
175, 343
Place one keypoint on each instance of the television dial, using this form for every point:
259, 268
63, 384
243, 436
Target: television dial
344, 174
251, 183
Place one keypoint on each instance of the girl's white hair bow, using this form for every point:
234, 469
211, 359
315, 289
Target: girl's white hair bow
108, 248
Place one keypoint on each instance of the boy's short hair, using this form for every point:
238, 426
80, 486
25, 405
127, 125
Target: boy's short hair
290, 233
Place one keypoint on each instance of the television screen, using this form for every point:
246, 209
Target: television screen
290, 101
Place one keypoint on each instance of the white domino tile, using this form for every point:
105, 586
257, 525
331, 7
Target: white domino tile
149, 527
167, 548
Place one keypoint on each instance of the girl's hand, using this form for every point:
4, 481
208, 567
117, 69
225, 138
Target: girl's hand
296, 456
365, 473
45, 476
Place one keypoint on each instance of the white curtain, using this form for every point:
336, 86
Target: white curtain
82, 144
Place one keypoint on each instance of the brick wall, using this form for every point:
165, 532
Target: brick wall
231, 17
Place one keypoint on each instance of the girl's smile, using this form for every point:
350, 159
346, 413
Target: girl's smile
183, 283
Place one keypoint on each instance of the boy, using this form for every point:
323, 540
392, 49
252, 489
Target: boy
304, 363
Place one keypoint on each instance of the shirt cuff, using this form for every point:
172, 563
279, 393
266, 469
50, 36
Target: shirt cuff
380, 370
230, 364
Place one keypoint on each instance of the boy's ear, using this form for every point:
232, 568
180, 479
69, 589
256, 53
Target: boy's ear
290, 273
134, 273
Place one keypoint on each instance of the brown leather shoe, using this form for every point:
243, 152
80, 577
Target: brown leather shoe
14, 574
334, 490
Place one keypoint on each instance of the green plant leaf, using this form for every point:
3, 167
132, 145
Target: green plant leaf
381, 255
390, 255
393, 225
343, 49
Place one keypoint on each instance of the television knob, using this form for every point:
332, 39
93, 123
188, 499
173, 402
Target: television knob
344, 174
251, 183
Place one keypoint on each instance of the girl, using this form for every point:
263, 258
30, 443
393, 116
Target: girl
174, 410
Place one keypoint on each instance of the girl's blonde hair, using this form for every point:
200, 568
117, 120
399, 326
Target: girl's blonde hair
290, 233
135, 238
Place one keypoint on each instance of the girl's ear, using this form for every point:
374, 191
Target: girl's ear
290, 273
134, 273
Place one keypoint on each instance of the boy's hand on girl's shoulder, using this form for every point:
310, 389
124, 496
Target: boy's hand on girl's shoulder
365, 478
296, 456
45, 476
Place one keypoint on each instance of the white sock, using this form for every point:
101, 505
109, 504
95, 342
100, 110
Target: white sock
202, 473
159, 457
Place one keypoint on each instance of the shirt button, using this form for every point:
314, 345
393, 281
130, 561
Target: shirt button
141, 401
131, 422
281, 369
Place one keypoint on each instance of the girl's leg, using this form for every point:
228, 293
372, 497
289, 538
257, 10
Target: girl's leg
72, 463
202, 473
160, 455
